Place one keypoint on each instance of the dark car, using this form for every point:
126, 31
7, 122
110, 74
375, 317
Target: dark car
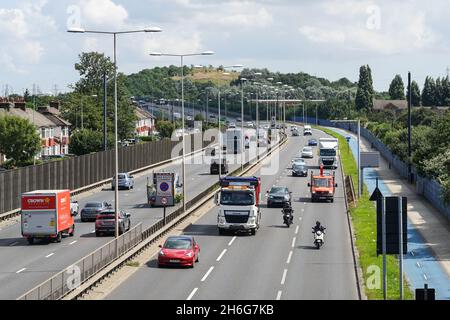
92, 209
214, 167
299, 170
312, 142
278, 196
179, 250
105, 223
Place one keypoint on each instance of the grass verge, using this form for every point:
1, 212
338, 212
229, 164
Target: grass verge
365, 229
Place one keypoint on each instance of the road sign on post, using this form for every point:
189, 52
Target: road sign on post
392, 225
425, 293
164, 203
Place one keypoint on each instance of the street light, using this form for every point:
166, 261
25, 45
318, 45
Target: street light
242, 123
181, 56
116, 152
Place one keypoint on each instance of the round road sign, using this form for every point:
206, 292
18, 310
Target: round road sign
164, 200
164, 186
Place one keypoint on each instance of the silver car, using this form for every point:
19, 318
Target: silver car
307, 152
126, 181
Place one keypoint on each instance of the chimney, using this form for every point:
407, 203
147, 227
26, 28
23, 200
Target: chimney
55, 104
20, 105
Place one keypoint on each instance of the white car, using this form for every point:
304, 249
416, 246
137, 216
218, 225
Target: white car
307, 152
298, 161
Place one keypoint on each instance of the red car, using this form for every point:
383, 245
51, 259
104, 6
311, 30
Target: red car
179, 250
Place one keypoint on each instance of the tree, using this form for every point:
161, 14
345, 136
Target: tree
397, 89
92, 66
165, 128
415, 94
429, 92
19, 140
365, 92
86, 141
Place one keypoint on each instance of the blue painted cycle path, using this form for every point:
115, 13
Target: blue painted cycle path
420, 264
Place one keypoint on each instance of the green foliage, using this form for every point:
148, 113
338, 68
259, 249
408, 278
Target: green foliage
86, 141
415, 94
165, 128
92, 66
397, 88
19, 140
365, 93
429, 92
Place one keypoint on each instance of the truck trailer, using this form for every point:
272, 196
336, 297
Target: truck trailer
328, 152
46, 214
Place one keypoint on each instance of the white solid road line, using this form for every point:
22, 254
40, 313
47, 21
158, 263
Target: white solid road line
221, 255
192, 294
293, 242
296, 229
72, 242
232, 240
279, 295
289, 257
49, 255
283, 279
23, 269
207, 274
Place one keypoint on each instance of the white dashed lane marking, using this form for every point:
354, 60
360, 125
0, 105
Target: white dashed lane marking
232, 240
49, 255
283, 279
289, 257
293, 242
192, 294
207, 274
221, 255
21, 270
279, 295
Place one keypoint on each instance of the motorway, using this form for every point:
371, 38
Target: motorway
22, 266
277, 263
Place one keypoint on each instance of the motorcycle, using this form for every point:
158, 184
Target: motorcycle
318, 238
288, 217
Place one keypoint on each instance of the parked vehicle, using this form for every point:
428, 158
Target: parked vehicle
216, 164
328, 152
238, 202
46, 215
322, 186
105, 222
179, 250
307, 152
278, 196
126, 181
91, 209
299, 170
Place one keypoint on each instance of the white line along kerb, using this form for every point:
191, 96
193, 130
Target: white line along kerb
192, 294
207, 274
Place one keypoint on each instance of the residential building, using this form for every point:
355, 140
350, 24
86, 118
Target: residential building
145, 123
62, 130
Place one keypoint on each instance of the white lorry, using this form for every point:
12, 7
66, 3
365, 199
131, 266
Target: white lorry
328, 152
238, 203
234, 138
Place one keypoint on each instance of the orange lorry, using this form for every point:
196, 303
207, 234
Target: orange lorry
322, 186
46, 214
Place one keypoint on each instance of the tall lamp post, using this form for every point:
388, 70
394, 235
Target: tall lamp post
242, 123
182, 56
116, 151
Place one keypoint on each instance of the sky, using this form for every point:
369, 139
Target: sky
326, 38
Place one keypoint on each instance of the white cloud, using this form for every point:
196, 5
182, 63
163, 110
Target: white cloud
347, 24
104, 13
20, 30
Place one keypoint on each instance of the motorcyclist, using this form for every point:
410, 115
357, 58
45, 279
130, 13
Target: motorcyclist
287, 210
318, 227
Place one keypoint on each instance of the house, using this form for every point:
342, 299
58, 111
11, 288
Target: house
394, 105
61, 134
52, 130
145, 123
